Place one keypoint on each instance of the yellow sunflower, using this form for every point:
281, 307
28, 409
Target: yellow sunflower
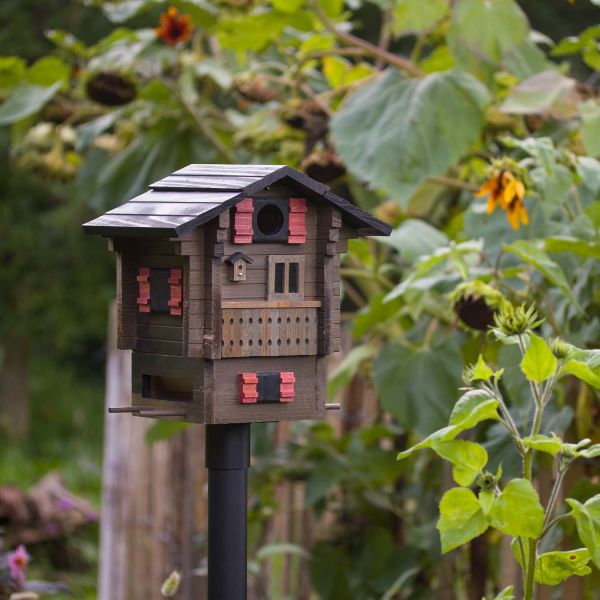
504, 189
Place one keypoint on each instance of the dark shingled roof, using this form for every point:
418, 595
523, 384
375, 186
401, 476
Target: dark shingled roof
196, 194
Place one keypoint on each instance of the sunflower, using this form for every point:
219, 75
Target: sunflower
173, 27
504, 189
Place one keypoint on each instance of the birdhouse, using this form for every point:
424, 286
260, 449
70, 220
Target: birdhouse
228, 291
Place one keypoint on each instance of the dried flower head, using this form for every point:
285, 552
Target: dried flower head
504, 189
517, 321
174, 28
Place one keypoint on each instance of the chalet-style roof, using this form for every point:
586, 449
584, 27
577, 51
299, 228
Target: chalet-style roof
239, 256
196, 194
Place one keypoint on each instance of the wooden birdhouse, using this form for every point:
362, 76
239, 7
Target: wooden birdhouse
228, 291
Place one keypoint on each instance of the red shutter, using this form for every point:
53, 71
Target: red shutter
297, 221
286, 386
242, 228
248, 388
143, 299
175, 281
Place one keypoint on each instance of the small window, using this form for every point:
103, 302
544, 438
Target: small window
160, 290
286, 277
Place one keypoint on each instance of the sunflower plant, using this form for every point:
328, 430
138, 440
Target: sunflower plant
512, 506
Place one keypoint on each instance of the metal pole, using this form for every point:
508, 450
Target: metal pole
227, 461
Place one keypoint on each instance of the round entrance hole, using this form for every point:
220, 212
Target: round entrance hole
269, 220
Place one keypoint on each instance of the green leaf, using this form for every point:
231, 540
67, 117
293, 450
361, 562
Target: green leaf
539, 363
540, 93
461, 518
89, 131
552, 568
587, 520
415, 15
12, 71
467, 458
506, 594
49, 70
551, 445
590, 126
576, 246
25, 101
407, 380
415, 238
530, 253
582, 371
384, 131
588, 169
472, 407
162, 430
517, 510
489, 29
486, 500
481, 372
344, 373
251, 32
270, 550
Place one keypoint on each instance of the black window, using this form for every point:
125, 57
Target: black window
268, 387
160, 290
286, 277
270, 220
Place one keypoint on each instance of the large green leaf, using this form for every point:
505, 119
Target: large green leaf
489, 28
539, 363
590, 126
517, 510
471, 408
540, 93
417, 386
587, 519
577, 246
24, 101
582, 371
467, 458
415, 238
553, 568
461, 518
348, 368
535, 256
416, 15
398, 131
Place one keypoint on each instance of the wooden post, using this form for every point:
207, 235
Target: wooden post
152, 499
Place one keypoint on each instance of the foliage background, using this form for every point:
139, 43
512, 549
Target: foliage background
406, 130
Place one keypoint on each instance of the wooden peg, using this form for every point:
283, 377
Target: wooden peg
333, 406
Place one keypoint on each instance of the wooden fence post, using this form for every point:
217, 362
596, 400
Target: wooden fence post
153, 498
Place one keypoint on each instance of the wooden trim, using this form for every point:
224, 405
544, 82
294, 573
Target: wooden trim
271, 304
286, 259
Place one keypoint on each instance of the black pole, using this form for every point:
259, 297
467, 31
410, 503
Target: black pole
227, 461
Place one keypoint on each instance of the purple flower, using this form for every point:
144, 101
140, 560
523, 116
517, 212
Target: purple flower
17, 563
65, 503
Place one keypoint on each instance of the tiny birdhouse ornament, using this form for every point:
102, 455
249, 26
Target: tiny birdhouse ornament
228, 291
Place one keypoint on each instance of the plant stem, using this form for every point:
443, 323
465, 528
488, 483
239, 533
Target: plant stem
388, 57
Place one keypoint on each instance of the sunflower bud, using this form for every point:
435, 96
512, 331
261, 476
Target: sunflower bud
560, 348
517, 321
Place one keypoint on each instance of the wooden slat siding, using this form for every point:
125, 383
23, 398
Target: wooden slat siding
160, 347
195, 293
212, 317
151, 331
329, 315
209, 391
180, 367
126, 305
228, 409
